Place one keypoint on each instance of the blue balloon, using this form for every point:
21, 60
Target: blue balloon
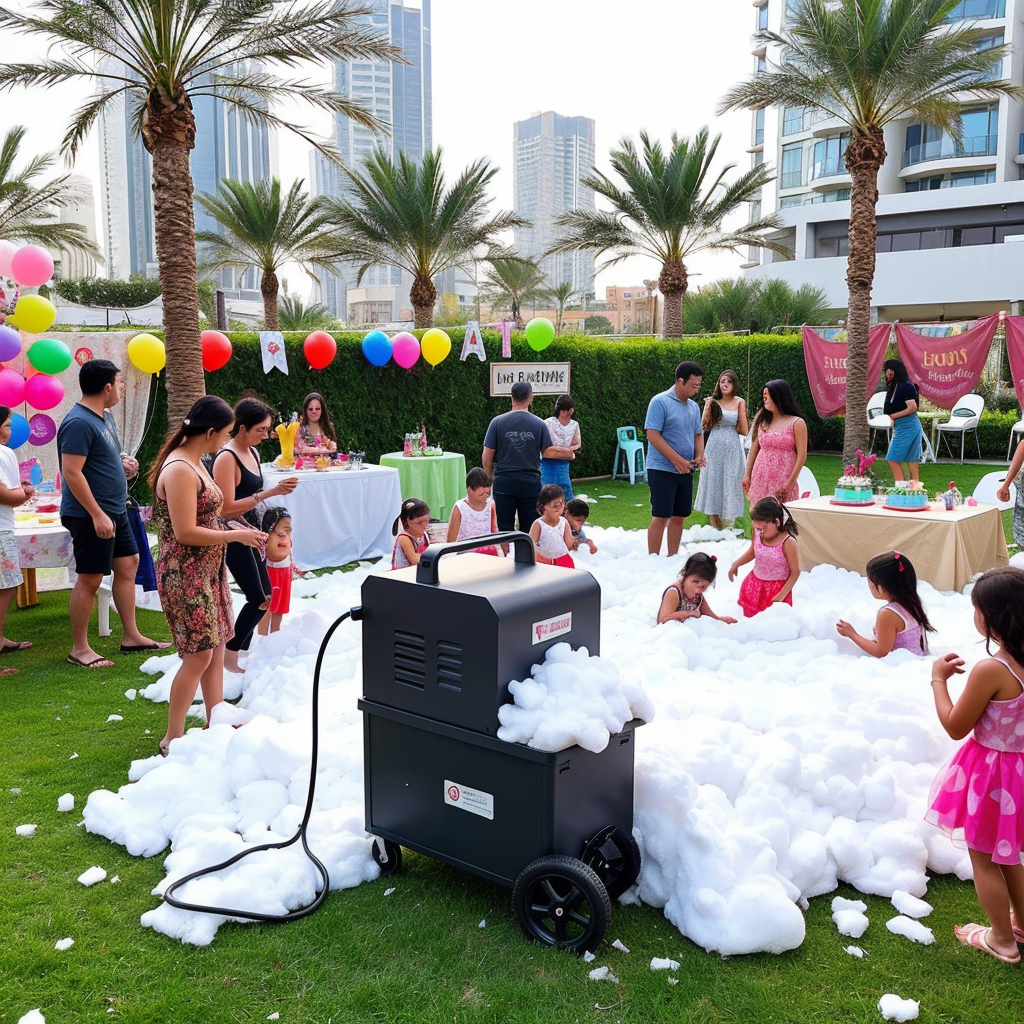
10, 343
377, 348
20, 431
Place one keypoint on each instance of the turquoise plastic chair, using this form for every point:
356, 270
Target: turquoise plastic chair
632, 450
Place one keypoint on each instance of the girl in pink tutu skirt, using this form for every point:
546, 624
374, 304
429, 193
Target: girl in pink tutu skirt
980, 790
774, 554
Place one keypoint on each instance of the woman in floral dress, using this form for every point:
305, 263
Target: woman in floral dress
778, 447
190, 572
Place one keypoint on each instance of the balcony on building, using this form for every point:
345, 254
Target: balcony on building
976, 10
946, 151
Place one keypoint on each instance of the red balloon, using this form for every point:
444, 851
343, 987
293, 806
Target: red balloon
216, 350
319, 348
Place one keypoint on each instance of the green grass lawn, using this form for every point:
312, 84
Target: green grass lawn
417, 955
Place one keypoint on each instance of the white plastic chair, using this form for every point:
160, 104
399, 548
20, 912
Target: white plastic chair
965, 415
1017, 428
806, 485
985, 492
877, 420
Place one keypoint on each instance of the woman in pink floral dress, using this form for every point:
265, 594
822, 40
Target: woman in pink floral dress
191, 576
778, 447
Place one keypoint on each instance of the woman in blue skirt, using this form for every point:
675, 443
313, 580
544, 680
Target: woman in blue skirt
901, 408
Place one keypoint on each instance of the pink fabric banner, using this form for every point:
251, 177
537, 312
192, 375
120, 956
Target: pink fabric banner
944, 369
1015, 353
826, 367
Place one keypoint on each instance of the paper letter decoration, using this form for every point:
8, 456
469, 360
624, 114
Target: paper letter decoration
473, 343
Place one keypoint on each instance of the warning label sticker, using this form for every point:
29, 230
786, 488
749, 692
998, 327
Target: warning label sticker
473, 800
548, 629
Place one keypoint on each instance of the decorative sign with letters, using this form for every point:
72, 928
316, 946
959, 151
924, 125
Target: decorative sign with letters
546, 378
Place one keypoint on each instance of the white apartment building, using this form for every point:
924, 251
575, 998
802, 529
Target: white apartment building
946, 213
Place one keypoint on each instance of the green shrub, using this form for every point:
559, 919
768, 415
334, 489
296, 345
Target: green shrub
138, 290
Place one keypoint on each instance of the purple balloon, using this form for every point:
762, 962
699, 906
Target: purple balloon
10, 343
42, 429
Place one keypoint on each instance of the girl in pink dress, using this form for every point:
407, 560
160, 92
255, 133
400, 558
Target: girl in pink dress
474, 515
774, 554
980, 790
902, 624
778, 446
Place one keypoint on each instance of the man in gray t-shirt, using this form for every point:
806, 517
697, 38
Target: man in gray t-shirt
513, 446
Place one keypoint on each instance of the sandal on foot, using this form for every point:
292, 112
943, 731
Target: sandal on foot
1018, 932
98, 662
20, 645
164, 750
977, 936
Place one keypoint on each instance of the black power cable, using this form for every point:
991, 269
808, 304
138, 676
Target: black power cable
293, 915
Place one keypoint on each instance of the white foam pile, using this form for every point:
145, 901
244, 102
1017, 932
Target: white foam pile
892, 1007
780, 760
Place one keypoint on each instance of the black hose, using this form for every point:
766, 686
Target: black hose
293, 915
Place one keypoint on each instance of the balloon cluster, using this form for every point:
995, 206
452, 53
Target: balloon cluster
29, 267
39, 388
379, 349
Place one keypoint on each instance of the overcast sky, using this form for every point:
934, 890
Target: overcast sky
659, 65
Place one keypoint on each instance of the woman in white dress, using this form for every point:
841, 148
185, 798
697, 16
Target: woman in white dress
565, 433
720, 486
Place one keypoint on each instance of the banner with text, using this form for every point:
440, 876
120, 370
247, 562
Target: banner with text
1015, 353
826, 367
944, 369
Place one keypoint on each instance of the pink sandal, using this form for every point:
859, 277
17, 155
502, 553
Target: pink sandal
976, 935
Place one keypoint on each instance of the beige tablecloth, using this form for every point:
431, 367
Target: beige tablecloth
947, 548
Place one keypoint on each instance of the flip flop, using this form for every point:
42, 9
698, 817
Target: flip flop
9, 671
977, 936
21, 645
140, 648
1018, 932
98, 662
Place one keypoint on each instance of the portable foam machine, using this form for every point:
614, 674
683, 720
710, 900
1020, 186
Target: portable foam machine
440, 646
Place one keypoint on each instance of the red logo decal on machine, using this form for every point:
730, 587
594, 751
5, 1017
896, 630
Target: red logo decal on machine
548, 629
453, 793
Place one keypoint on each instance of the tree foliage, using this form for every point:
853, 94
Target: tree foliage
510, 283
138, 290
743, 305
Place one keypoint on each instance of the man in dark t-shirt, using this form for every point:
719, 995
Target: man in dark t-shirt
513, 446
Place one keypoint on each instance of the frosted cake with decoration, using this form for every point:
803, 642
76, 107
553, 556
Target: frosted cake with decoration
909, 497
853, 490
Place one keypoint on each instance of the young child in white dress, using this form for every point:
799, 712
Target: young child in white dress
474, 515
551, 534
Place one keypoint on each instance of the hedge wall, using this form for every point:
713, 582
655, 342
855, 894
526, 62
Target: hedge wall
612, 382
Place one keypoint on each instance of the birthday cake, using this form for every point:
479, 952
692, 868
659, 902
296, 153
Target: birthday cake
853, 490
907, 496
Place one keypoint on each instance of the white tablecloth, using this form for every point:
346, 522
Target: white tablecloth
339, 516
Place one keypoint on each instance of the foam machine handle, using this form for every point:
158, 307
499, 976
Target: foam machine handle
426, 571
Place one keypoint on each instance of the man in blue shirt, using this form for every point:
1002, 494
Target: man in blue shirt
675, 448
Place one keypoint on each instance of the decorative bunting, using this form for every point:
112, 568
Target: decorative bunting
272, 347
945, 369
826, 367
1015, 353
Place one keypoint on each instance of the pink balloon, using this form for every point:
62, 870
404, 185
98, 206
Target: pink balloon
31, 266
43, 391
405, 350
42, 429
7, 250
12, 388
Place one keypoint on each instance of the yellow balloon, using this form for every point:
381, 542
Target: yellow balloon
34, 314
147, 353
435, 346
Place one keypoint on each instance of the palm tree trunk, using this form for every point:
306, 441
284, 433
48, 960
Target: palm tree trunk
268, 289
864, 156
516, 315
169, 134
672, 282
423, 295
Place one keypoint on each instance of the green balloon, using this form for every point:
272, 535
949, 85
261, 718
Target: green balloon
540, 332
48, 355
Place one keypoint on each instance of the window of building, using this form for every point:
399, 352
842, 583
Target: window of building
792, 175
977, 10
789, 202
981, 130
762, 17
792, 120
835, 245
758, 158
830, 156
759, 128
762, 66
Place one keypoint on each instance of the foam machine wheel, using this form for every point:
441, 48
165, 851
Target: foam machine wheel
561, 902
614, 854
386, 855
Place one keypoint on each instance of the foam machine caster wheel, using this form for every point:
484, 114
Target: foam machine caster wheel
562, 902
614, 854
386, 855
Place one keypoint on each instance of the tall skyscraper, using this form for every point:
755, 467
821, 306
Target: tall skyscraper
227, 146
552, 156
400, 95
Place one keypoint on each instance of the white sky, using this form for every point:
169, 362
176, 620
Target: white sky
659, 65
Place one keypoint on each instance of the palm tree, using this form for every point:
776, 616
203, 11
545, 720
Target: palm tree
157, 56
668, 208
511, 282
265, 231
295, 315
29, 208
869, 63
401, 214
560, 294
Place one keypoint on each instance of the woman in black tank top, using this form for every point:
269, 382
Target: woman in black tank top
236, 469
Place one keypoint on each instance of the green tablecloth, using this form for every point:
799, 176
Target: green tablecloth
440, 480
